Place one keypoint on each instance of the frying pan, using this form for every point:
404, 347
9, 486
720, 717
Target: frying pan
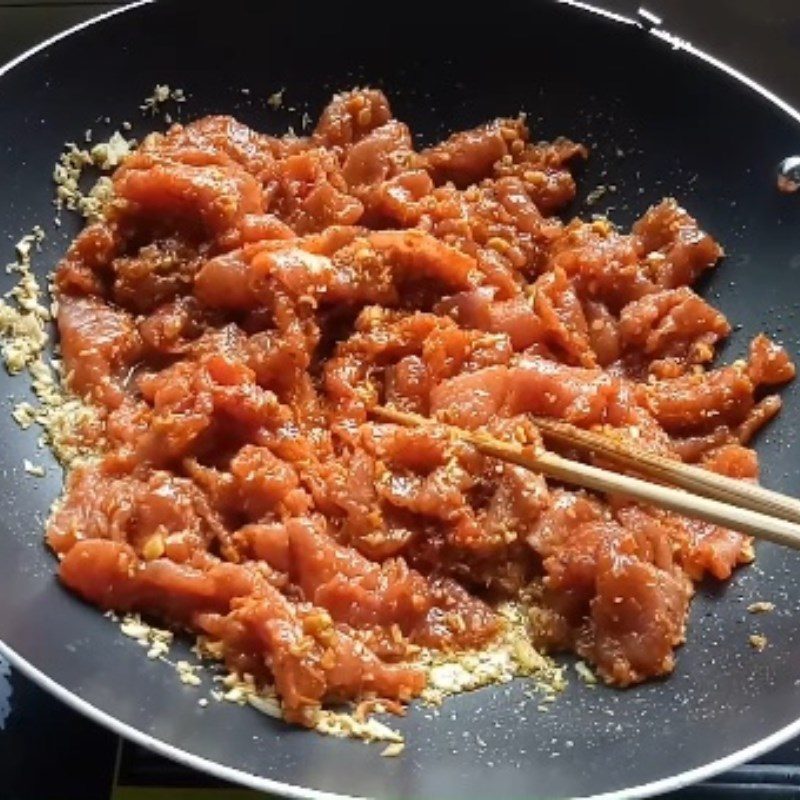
659, 121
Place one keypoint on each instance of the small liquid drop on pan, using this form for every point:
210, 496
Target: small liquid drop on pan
789, 174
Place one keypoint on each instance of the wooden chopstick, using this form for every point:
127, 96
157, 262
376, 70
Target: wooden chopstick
552, 465
673, 472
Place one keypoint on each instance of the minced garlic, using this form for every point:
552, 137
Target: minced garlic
161, 94
188, 673
156, 641
25, 316
761, 607
585, 673
275, 100
332, 723
511, 655
108, 155
269, 705
37, 470
67, 174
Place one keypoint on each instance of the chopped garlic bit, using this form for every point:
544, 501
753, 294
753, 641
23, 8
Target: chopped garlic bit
23, 337
761, 607
67, 174
23, 317
332, 723
393, 750
275, 100
29, 241
596, 194
511, 655
242, 690
133, 627
235, 695
188, 673
266, 704
36, 470
585, 673
159, 648
155, 640
108, 155
757, 641
162, 94
207, 648
159, 95
239, 689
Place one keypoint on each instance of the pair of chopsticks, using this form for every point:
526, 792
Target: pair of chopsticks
683, 488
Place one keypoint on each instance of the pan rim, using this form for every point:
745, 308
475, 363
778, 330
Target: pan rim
294, 791
57, 37
679, 43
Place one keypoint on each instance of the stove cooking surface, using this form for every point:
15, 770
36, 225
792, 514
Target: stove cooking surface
49, 752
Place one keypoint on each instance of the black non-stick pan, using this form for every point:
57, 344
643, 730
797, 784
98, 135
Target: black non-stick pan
659, 121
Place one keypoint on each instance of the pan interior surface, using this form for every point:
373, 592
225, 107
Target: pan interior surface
658, 123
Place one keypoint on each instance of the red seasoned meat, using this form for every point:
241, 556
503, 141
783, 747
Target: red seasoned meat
247, 299
468, 156
99, 344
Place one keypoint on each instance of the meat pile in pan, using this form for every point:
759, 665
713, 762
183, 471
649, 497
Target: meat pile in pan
246, 299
